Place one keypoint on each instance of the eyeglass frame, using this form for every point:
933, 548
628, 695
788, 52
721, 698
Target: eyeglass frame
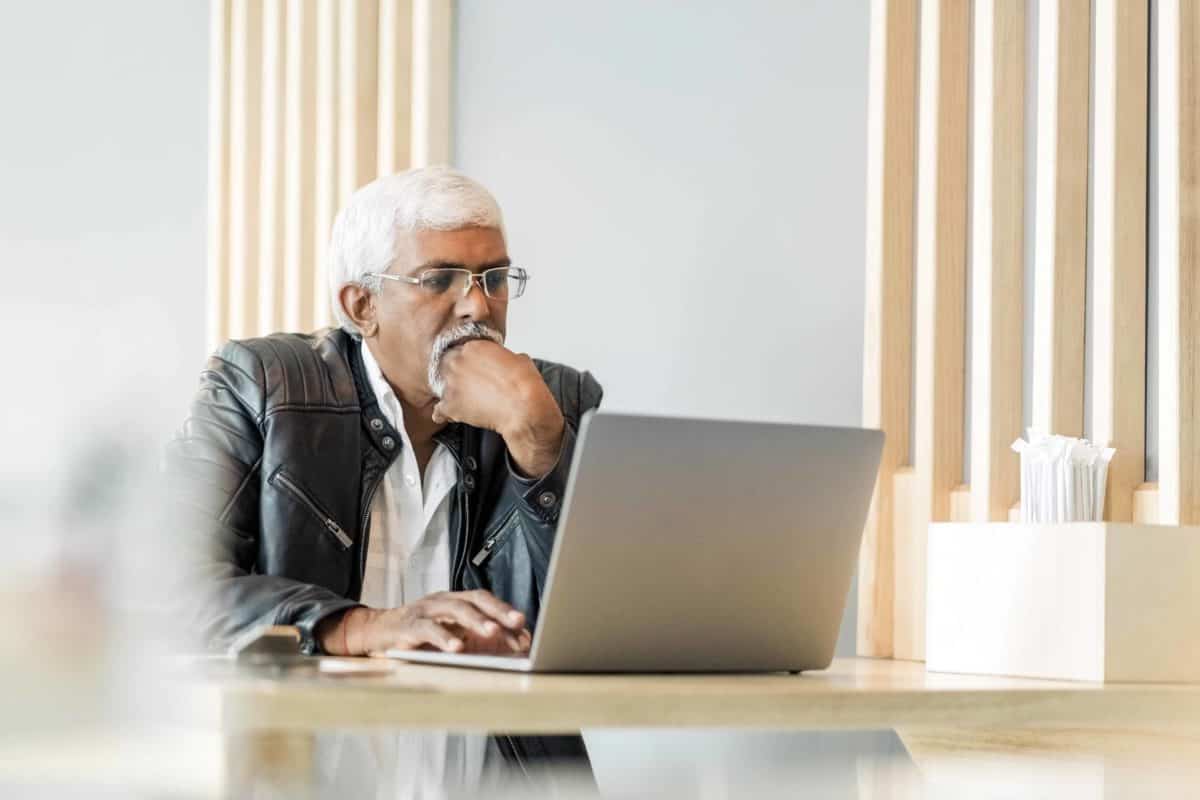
472, 277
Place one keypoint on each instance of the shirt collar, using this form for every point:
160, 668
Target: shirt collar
384, 394
449, 436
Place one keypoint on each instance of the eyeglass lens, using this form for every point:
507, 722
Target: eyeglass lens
500, 283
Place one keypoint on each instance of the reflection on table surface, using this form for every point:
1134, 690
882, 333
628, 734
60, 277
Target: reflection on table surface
625, 763
188, 740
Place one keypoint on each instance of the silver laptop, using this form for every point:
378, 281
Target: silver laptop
688, 545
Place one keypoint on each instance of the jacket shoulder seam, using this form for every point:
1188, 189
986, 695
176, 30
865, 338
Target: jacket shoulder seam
320, 408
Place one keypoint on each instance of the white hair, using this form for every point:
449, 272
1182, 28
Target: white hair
364, 234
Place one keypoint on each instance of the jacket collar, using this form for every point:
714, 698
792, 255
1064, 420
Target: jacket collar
375, 422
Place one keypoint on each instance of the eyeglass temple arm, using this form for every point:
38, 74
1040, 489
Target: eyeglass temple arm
404, 278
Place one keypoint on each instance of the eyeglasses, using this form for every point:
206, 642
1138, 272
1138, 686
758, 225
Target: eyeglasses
498, 283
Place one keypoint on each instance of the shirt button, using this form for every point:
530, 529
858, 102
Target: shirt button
471, 464
376, 424
546, 499
410, 480
388, 443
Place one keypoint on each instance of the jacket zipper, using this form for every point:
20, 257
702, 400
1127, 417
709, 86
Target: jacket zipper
462, 562
489, 545
331, 525
465, 514
483, 554
366, 529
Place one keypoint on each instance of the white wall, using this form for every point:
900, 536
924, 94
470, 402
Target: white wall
102, 206
102, 213
103, 172
707, 159
686, 184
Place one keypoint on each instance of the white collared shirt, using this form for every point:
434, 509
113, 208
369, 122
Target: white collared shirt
408, 557
408, 552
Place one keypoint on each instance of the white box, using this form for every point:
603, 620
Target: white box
1088, 601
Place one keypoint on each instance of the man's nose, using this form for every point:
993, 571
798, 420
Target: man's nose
474, 304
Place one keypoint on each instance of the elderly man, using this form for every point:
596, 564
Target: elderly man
394, 482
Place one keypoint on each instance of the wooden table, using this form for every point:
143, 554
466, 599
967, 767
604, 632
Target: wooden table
853, 694
941, 718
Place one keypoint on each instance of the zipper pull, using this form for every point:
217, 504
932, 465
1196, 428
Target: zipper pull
482, 555
338, 533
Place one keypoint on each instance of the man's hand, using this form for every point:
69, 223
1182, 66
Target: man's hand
455, 622
491, 387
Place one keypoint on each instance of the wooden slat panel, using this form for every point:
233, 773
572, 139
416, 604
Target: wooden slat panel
218, 173
1064, 47
270, 198
432, 58
299, 166
1185, 358
960, 504
1118, 342
940, 345
245, 76
887, 357
1145, 504
1179, 262
395, 85
997, 256
908, 608
326, 156
358, 95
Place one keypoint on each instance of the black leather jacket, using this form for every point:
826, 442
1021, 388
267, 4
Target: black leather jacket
273, 473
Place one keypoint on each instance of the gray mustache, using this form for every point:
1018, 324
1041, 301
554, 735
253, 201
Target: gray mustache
463, 332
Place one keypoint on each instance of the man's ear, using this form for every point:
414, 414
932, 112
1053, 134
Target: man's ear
359, 305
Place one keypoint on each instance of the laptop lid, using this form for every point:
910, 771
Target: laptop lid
704, 545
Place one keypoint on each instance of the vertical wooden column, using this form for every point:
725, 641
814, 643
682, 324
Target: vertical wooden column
887, 357
245, 96
309, 100
358, 92
326, 177
938, 415
395, 85
1179, 263
217, 257
1118, 344
1064, 50
270, 197
431, 64
299, 251
998, 232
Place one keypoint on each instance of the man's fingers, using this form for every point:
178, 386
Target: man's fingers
461, 613
513, 641
502, 642
496, 608
426, 631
